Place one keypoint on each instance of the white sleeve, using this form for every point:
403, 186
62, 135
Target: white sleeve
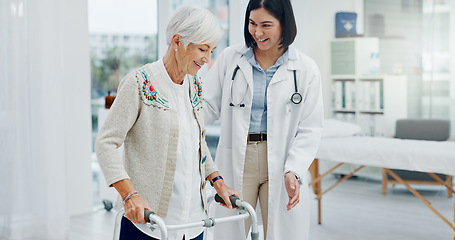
213, 88
121, 118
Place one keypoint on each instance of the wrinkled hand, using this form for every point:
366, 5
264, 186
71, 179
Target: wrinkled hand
293, 189
225, 192
134, 209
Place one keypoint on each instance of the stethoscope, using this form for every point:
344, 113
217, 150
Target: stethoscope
296, 97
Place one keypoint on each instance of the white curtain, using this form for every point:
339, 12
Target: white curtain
35, 121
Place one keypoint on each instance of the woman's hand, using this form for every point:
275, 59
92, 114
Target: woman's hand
135, 205
293, 188
225, 192
134, 209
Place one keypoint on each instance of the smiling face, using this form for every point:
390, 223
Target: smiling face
265, 29
194, 57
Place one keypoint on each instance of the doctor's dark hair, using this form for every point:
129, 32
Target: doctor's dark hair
281, 10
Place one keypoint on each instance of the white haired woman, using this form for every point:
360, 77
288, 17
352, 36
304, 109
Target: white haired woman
156, 116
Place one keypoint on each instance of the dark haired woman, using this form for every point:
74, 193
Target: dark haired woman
267, 96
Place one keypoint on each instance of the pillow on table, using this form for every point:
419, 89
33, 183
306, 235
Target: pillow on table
337, 128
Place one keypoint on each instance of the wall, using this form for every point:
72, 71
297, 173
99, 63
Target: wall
237, 10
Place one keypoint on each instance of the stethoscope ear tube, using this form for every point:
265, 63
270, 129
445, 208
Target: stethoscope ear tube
295, 82
296, 97
231, 103
235, 72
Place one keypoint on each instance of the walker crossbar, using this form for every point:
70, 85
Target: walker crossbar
245, 211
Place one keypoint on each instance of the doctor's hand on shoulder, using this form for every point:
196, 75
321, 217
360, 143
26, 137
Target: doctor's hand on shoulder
292, 185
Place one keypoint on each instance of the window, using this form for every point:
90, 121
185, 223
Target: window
415, 40
114, 25
436, 59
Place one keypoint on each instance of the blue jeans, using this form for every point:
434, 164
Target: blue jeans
129, 232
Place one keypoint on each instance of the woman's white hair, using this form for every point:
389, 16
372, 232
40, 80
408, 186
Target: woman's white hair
194, 24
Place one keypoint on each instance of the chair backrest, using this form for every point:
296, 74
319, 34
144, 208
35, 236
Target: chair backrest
423, 129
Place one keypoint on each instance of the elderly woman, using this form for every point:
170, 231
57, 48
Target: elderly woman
157, 117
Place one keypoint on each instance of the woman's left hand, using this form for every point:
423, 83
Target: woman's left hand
225, 192
293, 189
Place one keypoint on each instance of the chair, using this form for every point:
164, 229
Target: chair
420, 129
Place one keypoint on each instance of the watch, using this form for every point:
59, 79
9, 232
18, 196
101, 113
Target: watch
215, 179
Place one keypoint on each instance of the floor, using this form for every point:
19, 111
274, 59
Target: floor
354, 210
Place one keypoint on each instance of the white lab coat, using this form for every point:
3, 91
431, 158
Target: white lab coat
293, 136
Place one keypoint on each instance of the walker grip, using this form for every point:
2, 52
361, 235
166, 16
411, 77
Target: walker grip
233, 199
147, 214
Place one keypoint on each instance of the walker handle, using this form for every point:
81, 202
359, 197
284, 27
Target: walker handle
233, 199
147, 214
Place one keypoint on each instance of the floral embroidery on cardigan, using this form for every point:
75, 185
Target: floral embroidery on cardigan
198, 96
149, 94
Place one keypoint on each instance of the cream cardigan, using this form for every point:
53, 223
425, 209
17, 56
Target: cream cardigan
141, 119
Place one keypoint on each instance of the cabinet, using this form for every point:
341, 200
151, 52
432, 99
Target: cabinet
355, 56
360, 94
372, 102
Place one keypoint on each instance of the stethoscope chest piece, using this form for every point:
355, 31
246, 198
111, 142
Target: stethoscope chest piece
296, 98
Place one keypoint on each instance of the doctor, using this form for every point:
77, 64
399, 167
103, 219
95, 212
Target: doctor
267, 96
